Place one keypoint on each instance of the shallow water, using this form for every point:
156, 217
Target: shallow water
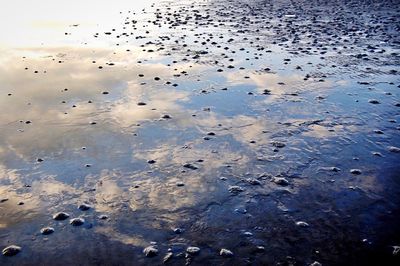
231, 120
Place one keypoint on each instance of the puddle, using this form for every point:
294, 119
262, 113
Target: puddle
267, 128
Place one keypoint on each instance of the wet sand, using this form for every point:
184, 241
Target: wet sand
202, 132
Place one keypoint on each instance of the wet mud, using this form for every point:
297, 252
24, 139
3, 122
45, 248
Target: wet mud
205, 132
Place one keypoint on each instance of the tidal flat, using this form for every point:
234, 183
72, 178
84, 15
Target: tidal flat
200, 132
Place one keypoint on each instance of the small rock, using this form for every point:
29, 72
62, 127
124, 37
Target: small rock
190, 166
47, 230
278, 144
241, 210
235, 189
316, 263
260, 248
77, 221
103, 217
355, 171
396, 250
394, 149
335, 169
168, 257
253, 181
11, 250
84, 207
225, 253
373, 101
248, 234
193, 250
377, 154
302, 224
150, 251
280, 181
178, 230
59, 216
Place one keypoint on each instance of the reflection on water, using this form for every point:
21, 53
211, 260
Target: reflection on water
183, 116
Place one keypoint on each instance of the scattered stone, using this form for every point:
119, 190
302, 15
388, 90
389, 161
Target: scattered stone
47, 230
373, 101
190, 166
193, 250
247, 234
103, 217
235, 189
77, 221
168, 257
266, 92
394, 149
280, 181
84, 207
178, 230
396, 250
278, 144
225, 253
355, 171
59, 216
11, 250
253, 181
332, 169
302, 224
150, 251
260, 248
241, 210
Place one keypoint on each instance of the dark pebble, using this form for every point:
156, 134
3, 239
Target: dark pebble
77, 221
84, 207
150, 251
355, 171
47, 230
11, 250
59, 216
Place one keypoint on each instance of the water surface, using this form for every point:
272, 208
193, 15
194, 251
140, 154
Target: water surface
230, 120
